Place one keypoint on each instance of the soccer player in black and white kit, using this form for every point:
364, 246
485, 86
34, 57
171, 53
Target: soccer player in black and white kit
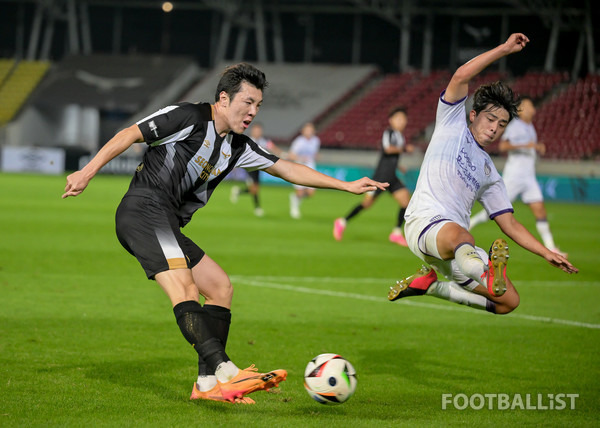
392, 145
455, 172
192, 147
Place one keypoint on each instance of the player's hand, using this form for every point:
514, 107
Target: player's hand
516, 42
409, 148
365, 184
560, 262
76, 183
540, 148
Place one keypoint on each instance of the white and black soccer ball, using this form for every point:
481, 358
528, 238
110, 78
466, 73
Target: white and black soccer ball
330, 379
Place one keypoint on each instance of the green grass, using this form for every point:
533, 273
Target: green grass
86, 340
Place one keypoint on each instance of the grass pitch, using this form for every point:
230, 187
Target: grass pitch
85, 339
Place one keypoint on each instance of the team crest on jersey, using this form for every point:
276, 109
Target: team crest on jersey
153, 128
207, 143
226, 155
140, 167
487, 169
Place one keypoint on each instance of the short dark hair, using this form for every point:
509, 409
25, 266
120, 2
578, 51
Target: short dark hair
234, 75
499, 95
397, 109
525, 97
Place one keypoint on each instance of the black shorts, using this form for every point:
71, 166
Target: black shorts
149, 230
395, 183
254, 176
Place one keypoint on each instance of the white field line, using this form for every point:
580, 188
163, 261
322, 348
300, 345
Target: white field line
391, 281
259, 281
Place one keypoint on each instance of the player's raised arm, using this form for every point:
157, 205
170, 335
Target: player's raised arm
78, 181
305, 176
458, 88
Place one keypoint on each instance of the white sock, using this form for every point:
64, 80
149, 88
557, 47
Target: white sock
226, 371
294, 201
455, 293
480, 217
543, 229
397, 231
206, 383
470, 263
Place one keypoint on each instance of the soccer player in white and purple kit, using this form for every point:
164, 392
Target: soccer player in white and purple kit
521, 143
456, 172
304, 150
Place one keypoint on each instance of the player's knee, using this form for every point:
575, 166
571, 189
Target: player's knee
509, 305
224, 290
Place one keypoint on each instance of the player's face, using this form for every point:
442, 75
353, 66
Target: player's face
256, 131
526, 110
241, 110
308, 130
398, 121
489, 124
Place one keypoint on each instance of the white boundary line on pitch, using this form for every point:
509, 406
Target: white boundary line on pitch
258, 282
564, 283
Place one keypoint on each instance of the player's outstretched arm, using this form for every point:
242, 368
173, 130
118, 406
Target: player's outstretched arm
305, 176
458, 88
78, 181
518, 233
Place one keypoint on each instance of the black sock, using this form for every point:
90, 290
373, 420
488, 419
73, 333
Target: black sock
221, 320
256, 202
196, 326
355, 211
401, 217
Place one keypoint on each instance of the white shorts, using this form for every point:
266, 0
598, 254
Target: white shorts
526, 187
421, 236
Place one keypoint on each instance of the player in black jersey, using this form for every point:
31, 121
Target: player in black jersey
192, 147
392, 145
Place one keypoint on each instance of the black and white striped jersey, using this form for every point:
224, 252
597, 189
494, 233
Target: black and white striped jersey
388, 162
186, 158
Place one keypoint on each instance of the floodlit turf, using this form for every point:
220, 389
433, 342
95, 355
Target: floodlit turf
86, 340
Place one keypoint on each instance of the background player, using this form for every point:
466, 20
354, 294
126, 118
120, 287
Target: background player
192, 147
455, 172
253, 182
304, 150
392, 145
521, 143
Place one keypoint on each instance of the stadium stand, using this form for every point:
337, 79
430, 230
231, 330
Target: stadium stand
537, 84
6, 66
16, 85
566, 122
564, 112
85, 99
297, 93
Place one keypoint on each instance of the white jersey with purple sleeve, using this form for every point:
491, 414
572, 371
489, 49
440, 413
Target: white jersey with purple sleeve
306, 149
456, 172
521, 161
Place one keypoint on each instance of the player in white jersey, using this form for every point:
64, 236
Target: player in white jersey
304, 150
455, 172
253, 182
521, 143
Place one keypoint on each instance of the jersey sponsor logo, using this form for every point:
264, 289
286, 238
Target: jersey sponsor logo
140, 167
153, 128
227, 156
487, 169
465, 171
206, 143
208, 169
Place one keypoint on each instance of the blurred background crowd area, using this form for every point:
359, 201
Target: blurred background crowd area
72, 73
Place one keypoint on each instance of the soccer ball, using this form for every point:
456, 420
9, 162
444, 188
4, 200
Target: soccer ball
330, 379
